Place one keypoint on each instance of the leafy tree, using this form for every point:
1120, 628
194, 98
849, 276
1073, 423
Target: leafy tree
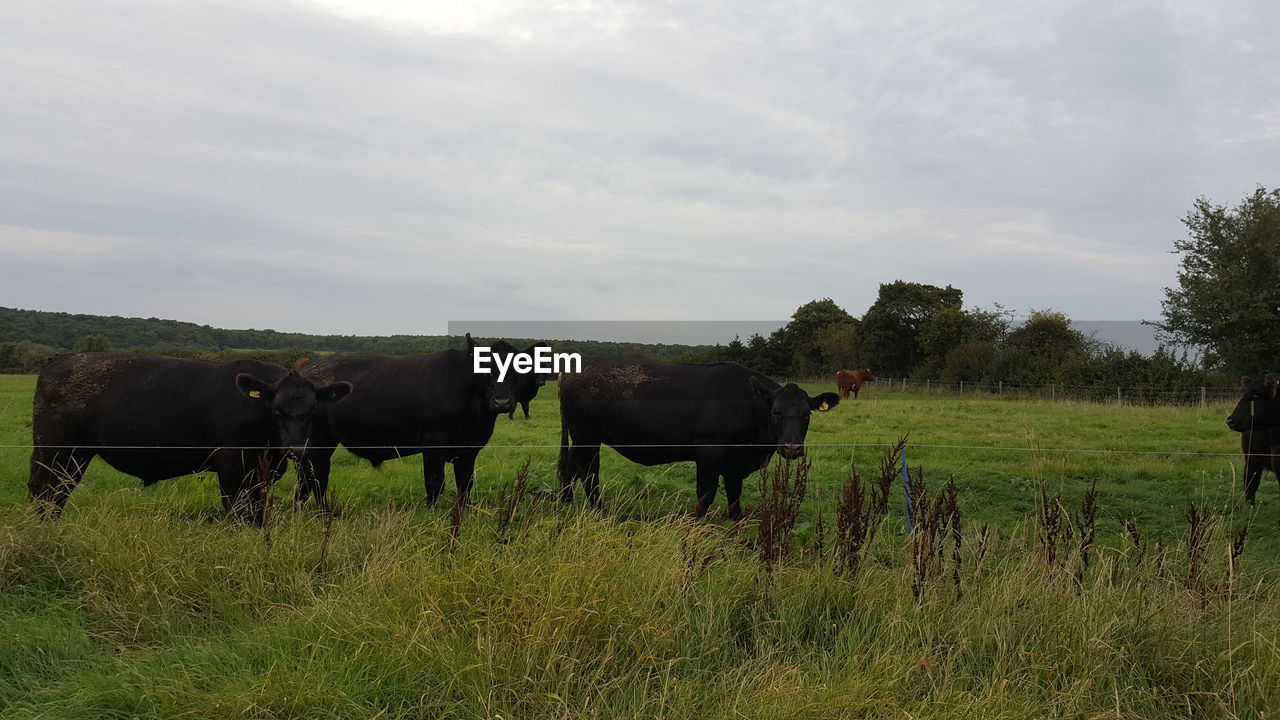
1044, 349
841, 347
24, 357
953, 327
93, 343
798, 340
1228, 295
891, 326
735, 351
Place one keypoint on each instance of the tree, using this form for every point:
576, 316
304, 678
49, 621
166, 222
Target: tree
1228, 295
1044, 349
953, 327
891, 327
798, 341
93, 343
842, 347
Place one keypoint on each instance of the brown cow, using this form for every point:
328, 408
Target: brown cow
847, 380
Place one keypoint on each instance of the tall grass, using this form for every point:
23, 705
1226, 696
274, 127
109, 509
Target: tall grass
130, 611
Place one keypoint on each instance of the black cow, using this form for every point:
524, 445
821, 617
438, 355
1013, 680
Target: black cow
726, 418
434, 405
1257, 419
526, 385
156, 418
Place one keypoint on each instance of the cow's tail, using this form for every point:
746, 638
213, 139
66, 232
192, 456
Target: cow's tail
562, 464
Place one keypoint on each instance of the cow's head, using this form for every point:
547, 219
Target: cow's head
294, 403
1258, 409
500, 396
866, 375
789, 408
527, 384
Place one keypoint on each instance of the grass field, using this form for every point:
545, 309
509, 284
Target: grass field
147, 603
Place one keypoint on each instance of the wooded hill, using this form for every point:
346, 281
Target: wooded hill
29, 337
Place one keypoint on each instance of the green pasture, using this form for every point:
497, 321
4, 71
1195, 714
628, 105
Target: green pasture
1149, 462
147, 603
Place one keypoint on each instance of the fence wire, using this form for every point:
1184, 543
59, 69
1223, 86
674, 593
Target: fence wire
1123, 394
414, 449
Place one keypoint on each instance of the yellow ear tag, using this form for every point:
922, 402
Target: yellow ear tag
255, 393
823, 406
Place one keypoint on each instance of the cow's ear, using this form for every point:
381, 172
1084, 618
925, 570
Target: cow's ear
1244, 381
824, 402
333, 392
534, 347
252, 387
299, 364
1271, 380
761, 390
471, 344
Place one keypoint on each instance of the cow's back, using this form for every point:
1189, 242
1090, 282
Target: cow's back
110, 399
651, 402
404, 400
124, 406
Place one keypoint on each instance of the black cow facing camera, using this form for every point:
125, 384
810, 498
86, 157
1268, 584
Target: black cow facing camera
526, 385
1257, 418
434, 405
726, 418
156, 418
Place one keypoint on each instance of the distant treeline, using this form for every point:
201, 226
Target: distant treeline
28, 338
924, 332
912, 330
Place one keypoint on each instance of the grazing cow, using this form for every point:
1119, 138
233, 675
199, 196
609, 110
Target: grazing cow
726, 418
847, 380
434, 405
1257, 419
156, 418
526, 385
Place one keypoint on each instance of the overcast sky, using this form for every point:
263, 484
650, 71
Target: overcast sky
367, 167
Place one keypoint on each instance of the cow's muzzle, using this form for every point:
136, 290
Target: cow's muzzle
791, 451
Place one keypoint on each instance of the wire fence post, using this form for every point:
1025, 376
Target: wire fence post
961, 387
1203, 402
1118, 396
1000, 388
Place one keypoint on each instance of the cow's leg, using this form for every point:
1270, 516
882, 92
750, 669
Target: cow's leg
733, 494
433, 474
511, 415
524, 405
579, 462
1252, 477
313, 479
583, 467
55, 472
464, 468
571, 472
591, 481
855, 392
239, 484
709, 463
